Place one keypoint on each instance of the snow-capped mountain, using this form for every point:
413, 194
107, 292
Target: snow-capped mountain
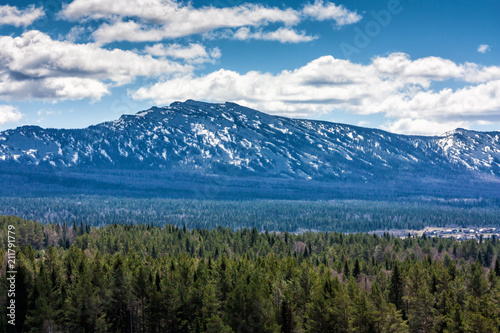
227, 139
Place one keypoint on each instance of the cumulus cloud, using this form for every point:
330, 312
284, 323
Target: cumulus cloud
155, 20
36, 66
160, 19
395, 86
484, 122
470, 101
483, 48
283, 35
169, 12
10, 15
422, 126
193, 53
76, 33
9, 114
330, 11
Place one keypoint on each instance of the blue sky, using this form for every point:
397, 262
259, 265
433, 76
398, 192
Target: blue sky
412, 67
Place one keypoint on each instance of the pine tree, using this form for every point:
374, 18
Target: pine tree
23, 286
476, 282
346, 271
118, 311
497, 267
357, 270
156, 309
456, 320
396, 288
362, 313
328, 310
141, 292
386, 317
421, 313
482, 315
43, 314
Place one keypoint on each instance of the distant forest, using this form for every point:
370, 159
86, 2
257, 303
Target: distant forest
145, 278
273, 215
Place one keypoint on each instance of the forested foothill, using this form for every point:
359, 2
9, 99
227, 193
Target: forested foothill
146, 278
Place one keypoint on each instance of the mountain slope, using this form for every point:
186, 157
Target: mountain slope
196, 138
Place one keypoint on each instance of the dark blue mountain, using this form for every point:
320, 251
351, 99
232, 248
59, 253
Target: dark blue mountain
196, 140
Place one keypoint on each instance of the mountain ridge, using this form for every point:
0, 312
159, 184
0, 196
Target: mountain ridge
228, 140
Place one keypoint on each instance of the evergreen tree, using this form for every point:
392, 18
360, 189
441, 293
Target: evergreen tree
497, 266
396, 288
421, 313
357, 270
347, 271
329, 308
118, 311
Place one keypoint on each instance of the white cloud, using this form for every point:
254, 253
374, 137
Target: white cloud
162, 19
156, 20
48, 112
484, 122
76, 33
194, 53
36, 66
420, 71
425, 70
330, 11
478, 100
9, 114
10, 15
172, 13
395, 86
423, 126
283, 35
476, 73
131, 31
483, 48
215, 53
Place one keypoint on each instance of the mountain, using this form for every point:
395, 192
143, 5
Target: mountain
189, 143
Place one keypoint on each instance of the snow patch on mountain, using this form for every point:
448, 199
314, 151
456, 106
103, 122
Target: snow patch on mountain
197, 137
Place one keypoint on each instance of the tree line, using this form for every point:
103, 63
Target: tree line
273, 215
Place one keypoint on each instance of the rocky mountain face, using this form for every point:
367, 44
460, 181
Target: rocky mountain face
203, 139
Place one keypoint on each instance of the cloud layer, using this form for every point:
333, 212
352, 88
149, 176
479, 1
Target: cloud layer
417, 96
283, 35
395, 86
192, 53
155, 20
36, 66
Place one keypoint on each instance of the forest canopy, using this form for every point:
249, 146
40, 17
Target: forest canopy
144, 278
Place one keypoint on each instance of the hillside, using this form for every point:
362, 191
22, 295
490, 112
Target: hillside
196, 141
